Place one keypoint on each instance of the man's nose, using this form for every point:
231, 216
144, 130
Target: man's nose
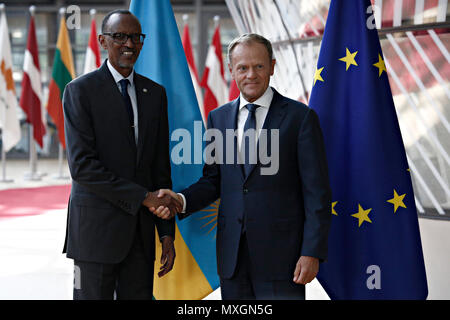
129, 43
251, 73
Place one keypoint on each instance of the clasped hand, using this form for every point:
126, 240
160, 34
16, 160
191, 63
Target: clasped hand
163, 203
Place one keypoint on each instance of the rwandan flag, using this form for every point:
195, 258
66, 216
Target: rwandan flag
63, 72
162, 59
375, 249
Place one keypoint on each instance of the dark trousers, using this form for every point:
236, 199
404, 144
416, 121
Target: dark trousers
244, 285
131, 279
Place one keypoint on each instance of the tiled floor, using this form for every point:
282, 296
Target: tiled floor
32, 266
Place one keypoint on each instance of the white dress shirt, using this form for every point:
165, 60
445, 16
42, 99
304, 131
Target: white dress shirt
131, 92
264, 103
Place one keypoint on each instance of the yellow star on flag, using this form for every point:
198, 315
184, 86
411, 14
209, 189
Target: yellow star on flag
332, 208
349, 58
362, 215
397, 201
317, 75
380, 65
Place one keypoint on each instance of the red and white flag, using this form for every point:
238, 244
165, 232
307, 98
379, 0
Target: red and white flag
216, 89
193, 69
234, 91
9, 121
31, 97
92, 60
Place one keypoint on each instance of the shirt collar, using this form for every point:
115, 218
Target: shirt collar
264, 101
116, 74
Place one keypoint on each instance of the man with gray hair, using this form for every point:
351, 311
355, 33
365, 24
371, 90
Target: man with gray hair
272, 230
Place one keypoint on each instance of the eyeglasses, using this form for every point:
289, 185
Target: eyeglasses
122, 38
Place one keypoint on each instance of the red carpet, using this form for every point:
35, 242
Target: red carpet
32, 201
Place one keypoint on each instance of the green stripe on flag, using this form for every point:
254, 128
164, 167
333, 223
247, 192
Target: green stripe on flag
60, 73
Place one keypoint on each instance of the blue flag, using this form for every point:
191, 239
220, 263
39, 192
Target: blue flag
375, 249
162, 59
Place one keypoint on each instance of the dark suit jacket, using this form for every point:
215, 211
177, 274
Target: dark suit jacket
111, 175
288, 213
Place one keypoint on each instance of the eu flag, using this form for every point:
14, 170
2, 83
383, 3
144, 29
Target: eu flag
375, 249
162, 59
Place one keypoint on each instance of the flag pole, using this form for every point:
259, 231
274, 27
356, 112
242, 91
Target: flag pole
60, 175
32, 175
3, 179
92, 13
216, 21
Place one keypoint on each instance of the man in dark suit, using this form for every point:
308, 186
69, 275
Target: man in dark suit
272, 227
117, 148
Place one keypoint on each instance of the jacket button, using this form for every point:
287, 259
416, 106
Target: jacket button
245, 191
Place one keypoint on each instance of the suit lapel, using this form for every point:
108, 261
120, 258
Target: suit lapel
231, 123
143, 103
273, 120
276, 112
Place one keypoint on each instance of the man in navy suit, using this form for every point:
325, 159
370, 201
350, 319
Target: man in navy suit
272, 228
117, 148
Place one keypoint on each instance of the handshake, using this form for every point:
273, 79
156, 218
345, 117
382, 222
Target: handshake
164, 203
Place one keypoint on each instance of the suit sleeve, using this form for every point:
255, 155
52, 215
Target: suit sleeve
85, 167
312, 164
207, 189
161, 167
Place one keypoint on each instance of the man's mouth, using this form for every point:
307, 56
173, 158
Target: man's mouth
128, 53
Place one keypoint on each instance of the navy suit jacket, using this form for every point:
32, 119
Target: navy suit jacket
110, 174
288, 213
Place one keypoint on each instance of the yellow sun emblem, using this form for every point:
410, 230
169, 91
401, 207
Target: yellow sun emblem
210, 215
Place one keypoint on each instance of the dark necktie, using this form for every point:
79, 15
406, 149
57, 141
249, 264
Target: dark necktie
249, 151
126, 99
